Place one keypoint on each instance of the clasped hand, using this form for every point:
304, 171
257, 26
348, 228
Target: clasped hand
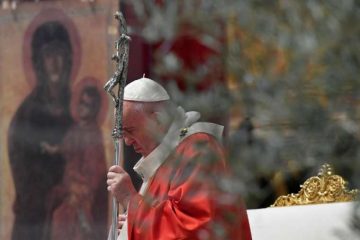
120, 185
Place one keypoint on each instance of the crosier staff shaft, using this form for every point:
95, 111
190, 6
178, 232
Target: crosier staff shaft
121, 58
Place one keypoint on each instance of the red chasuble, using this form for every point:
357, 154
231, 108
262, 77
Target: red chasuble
186, 198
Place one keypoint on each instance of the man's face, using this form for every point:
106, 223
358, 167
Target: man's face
139, 129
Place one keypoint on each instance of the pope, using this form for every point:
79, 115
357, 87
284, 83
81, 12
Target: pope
185, 193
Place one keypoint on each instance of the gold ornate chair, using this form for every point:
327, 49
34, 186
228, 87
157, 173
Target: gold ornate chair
324, 188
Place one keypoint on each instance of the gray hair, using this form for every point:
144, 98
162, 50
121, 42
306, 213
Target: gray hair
166, 110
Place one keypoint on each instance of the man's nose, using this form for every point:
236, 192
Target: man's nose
128, 140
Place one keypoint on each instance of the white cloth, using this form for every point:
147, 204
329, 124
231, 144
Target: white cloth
310, 222
146, 167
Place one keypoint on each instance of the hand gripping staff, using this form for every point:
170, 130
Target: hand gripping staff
121, 58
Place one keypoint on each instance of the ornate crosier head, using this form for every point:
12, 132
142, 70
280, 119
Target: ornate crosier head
118, 79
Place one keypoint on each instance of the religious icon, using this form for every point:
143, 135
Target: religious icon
53, 135
43, 116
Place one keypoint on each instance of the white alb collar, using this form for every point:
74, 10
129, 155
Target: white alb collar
146, 167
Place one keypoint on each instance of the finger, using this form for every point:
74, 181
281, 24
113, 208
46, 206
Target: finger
122, 217
110, 182
116, 169
111, 175
120, 225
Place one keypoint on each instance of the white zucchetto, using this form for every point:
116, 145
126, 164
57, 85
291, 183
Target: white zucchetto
145, 90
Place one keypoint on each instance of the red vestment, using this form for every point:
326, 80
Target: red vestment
185, 198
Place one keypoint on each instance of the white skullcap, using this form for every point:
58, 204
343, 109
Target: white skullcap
145, 90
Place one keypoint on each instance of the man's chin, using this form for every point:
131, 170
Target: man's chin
138, 150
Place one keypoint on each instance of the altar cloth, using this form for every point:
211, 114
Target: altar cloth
306, 222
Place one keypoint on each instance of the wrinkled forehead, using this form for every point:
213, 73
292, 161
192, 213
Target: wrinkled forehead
129, 107
132, 113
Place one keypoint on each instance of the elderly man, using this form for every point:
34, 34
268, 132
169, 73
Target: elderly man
183, 193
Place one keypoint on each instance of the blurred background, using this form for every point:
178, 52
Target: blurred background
282, 76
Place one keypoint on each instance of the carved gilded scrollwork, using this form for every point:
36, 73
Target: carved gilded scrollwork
324, 188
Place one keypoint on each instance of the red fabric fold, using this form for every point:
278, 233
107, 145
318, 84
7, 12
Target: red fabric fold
184, 199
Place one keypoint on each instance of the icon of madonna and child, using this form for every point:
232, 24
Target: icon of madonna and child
55, 148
